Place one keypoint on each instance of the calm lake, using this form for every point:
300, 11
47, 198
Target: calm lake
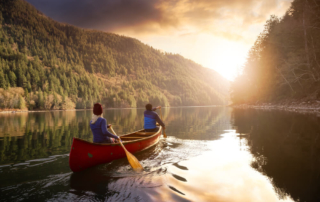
211, 154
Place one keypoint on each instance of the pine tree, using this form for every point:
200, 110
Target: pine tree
29, 86
40, 100
13, 79
7, 82
55, 99
22, 103
1, 18
2, 80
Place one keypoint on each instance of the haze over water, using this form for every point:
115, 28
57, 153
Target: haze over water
211, 154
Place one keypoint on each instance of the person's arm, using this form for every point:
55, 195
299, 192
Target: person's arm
160, 121
158, 107
105, 131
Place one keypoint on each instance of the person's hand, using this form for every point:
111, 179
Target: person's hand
118, 140
109, 126
158, 107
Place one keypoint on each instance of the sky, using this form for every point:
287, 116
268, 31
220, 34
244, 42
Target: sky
216, 34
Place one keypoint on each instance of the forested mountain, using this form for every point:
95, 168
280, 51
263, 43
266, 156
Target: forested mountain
284, 63
58, 66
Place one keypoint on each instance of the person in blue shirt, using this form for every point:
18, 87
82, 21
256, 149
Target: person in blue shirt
151, 118
99, 127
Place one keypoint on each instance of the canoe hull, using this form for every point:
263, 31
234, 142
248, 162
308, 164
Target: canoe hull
84, 154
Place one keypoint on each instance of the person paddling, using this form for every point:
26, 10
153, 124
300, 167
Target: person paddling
150, 119
99, 127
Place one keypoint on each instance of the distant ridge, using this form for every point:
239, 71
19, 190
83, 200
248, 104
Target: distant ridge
60, 66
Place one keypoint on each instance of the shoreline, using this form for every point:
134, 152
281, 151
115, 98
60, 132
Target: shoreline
13, 111
300, 107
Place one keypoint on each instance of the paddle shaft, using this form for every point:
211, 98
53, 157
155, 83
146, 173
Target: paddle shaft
164, 132
133, 161
119, 140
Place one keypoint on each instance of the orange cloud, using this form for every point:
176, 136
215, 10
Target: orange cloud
230, 19
223, 17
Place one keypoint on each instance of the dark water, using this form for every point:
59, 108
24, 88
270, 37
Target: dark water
211, 154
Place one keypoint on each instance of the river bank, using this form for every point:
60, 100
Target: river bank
30, 111
111, 108
301, 106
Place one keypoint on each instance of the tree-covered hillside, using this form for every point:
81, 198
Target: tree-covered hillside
284, 63
58, 66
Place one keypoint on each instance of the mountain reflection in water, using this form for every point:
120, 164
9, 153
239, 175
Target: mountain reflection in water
211, 154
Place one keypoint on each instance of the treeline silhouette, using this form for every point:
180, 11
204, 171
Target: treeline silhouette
285, 147
59, 66
284, 62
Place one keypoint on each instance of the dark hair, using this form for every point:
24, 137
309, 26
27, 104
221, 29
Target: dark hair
97, 109
149, 107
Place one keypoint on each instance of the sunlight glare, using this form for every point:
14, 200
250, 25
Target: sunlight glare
226, 56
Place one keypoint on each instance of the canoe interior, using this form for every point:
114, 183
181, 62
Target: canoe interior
136, 136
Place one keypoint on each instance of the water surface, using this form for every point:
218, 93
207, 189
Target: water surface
211, 154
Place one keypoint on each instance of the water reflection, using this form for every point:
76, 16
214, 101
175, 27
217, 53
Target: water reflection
34, 151
285, 147
202, 159
37, 135
198, 123
26, 136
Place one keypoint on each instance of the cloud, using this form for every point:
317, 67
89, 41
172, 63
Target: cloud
226, 18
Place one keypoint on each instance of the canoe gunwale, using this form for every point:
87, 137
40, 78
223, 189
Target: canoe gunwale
125, 142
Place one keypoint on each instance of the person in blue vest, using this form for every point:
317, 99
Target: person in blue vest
99, 127
151, 118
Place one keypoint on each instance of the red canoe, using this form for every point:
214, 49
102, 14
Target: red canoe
86, 154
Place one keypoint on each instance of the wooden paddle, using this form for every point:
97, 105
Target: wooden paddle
135, 164
164, 130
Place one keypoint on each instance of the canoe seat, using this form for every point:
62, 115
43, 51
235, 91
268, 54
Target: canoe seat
145, 133
131, 137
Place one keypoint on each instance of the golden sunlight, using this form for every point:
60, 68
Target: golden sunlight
229, 57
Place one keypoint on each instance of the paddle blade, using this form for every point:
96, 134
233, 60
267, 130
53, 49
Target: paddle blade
135, 164
133, 161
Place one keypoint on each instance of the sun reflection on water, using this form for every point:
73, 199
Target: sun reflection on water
223, 174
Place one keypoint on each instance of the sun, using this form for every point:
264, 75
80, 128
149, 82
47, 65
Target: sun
227, 57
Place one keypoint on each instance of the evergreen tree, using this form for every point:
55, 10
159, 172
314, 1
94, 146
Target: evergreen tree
2, 80
55, 100
40, 99
22, 104
13, 79
1, 17
7, 82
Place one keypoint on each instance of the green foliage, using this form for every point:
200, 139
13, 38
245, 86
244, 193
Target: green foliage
22, 103
13, 79
54, 59
41, 100
284, 61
